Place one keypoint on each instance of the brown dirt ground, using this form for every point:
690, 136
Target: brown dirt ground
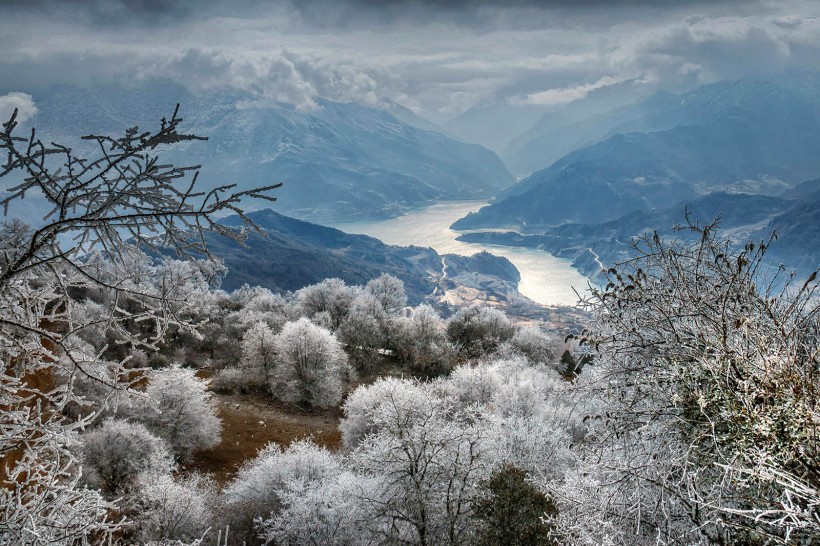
251, 421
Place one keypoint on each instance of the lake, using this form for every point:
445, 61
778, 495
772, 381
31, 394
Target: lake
544, 278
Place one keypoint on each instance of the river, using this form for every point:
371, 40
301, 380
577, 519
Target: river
544, 278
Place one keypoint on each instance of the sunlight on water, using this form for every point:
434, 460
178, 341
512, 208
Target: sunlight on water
544, 278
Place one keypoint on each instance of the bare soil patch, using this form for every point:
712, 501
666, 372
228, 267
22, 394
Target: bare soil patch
251, 421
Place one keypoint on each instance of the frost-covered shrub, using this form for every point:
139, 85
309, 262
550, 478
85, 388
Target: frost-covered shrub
258, 350
369, 406
362, 329
165, 507
478, 330
116, 452
311, 367
328, 511
257, 489
532, 342
331, 296
179, 409
389, 292
420, 342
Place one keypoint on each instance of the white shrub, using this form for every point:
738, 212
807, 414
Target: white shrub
311, 366
324, 512
116, 452
169, 508
233, 380
258, 486
477, 330
534, 343
179, 409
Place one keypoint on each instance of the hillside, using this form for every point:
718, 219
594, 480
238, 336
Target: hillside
339, 161
744, 217
293, 253
744, 136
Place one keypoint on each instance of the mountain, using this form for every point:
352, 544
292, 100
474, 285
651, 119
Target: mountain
556, 134
742, 217
798, 234
290, 254
493, 123
749, 136
337, 161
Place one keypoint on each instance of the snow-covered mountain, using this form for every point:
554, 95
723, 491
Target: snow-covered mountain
337, 161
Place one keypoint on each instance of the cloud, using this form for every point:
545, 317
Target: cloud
278, 77
438, 58
24, 103
552, 97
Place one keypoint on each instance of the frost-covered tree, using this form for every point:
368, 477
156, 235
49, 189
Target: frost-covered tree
478, 329
311, 366
389, 292
120, 192
115, 453
259, 350
326, 512
167, 507
368, 403
711, 389
258, 489
363, 328
534, 343
428, 463
179, 409
331, 296
420, 341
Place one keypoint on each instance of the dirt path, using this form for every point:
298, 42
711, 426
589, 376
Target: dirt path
252, 421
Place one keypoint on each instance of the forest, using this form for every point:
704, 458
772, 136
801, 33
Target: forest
685, 413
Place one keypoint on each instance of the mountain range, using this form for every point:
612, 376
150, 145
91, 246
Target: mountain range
792, 217
747, 136
337, 161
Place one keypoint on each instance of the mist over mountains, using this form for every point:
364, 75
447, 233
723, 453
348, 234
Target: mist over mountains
337, 161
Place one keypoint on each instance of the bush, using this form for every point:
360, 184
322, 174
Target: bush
116, 452
165, 507
179, 409
256, 490
513, 512
311, 367
237, 380
478, 330
534, 343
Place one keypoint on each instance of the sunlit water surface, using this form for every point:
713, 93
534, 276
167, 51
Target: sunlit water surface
544, 278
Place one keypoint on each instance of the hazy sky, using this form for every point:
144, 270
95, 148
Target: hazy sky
437, 58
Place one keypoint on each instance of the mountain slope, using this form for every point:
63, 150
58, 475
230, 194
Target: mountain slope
553, 137
339, 161
753, 137
291, 254
743, 217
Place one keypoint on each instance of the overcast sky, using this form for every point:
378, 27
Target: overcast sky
437, 58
